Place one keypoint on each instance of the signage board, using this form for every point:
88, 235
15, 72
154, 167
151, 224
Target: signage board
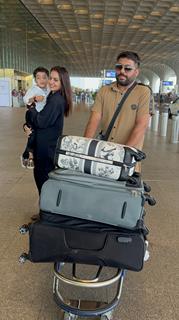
167, 83
110, 74
105, 82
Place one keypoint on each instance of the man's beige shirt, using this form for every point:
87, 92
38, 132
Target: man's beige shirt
135, 106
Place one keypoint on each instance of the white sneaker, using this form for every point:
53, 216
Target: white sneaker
24, 162
147, 254
30, 164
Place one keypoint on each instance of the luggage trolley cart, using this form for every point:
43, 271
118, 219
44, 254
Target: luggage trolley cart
66, 246
73, 309
71, 312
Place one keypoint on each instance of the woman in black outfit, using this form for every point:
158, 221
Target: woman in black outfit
48, 123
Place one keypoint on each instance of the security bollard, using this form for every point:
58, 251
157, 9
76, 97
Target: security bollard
163, 123
175, 129
155, 120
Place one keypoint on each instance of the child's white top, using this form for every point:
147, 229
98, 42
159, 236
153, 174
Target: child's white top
36, 91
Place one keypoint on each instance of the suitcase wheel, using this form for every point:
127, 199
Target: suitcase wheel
24, 229
23, 257
152, 201
147, 188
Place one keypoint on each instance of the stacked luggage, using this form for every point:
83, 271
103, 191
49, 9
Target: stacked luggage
92, 207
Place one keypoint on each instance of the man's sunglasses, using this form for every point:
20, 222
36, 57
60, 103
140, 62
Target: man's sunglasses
126, 68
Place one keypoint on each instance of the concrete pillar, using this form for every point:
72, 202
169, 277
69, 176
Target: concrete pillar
175, 129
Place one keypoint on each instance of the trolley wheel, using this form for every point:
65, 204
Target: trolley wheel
70, 316
23, 258
106, 316
24, 229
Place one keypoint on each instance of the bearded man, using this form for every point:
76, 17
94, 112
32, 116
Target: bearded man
132, 121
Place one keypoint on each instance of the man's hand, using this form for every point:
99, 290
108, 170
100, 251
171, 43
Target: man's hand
92, 124
138, 132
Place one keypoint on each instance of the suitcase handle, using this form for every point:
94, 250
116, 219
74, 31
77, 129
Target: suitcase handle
124, 207
59, 198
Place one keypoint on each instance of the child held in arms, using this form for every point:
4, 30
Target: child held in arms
36, 97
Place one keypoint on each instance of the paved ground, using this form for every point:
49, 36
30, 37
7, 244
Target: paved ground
26, 290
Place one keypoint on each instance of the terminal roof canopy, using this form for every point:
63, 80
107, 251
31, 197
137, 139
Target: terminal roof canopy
89, 34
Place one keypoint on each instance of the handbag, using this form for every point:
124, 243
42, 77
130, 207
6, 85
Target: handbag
97, 157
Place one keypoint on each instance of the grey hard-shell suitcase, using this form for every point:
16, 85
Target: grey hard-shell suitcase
93, 198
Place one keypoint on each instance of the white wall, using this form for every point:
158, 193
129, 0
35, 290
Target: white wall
85, 83
5, 92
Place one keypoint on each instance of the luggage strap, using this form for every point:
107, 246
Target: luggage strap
92, 157
116, 113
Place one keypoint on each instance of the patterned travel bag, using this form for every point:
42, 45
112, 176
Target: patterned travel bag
97, 157
99, 199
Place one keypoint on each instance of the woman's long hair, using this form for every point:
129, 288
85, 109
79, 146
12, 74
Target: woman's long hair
66, 90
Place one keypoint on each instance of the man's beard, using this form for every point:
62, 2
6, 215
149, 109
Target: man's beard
126, 82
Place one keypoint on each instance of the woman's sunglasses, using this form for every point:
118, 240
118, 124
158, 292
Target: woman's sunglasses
126, 68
